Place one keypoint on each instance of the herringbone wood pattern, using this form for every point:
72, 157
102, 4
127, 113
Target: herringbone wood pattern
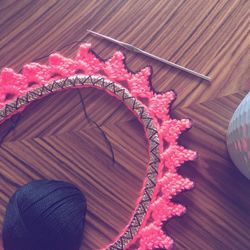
53, 139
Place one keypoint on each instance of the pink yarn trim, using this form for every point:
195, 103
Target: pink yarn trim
172, 156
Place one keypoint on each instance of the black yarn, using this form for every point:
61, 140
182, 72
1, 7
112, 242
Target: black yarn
45, 215
13, 125
98, 126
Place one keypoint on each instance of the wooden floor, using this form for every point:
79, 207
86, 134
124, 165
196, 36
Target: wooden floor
53, 139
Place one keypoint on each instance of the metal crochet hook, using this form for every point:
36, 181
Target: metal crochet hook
135, 49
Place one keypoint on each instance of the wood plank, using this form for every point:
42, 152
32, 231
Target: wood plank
211, 37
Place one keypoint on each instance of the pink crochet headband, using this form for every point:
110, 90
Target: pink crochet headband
154, 206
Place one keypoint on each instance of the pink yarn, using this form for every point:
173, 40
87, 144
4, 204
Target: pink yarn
172, 155
153, 237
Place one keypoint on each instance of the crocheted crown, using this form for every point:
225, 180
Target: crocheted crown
144, 231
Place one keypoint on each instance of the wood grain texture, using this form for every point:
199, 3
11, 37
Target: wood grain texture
211, 37
54, 140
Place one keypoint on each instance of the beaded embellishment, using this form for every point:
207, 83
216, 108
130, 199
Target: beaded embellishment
155, 205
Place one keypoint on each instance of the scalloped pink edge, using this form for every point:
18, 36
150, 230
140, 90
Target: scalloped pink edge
169, 182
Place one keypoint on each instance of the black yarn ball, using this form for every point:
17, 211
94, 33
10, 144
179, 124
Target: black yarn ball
45, 215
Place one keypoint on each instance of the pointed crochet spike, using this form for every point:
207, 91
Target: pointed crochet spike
172, 183
36, 73
88, 59
153, 237
159, 105
61, 65
163, 210
12, 80
176, 155
83, 51
9, 77
171, 129
115, 67
139, 83
11, 86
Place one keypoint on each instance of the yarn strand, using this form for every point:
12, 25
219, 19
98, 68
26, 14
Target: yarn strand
98, 126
